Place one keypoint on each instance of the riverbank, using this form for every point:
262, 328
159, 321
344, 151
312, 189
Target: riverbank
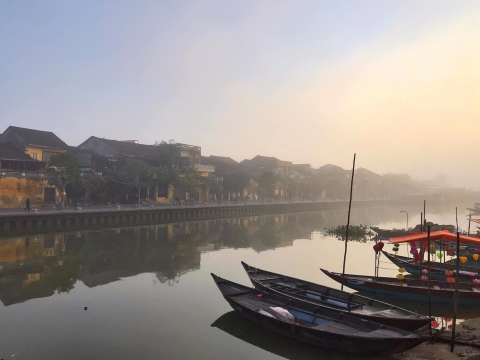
438, 351
468, 332
44, 220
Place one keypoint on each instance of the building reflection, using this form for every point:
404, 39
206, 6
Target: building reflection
40, 266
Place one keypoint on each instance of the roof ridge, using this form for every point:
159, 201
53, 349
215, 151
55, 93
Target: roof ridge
22, 128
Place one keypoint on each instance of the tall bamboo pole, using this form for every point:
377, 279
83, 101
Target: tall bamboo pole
348, 219
424, 215
444, 255
469, 221
455, 300
429, 292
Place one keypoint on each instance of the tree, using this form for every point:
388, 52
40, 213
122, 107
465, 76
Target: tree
236, 182
63, 170
314, 186
166, 177
191, 181
168, 154
216, 186
268, 181
135, 174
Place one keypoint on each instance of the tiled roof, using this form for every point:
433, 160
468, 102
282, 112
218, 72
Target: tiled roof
133, 149
223, 165
224, 159
11, 152
40, 138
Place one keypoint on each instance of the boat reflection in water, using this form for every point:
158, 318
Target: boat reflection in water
235, 325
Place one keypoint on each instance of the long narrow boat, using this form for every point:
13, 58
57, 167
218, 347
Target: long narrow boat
235, 325
408, 289
437, 270
317, 325
341, 301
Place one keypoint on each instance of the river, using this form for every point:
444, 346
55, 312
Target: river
146, 292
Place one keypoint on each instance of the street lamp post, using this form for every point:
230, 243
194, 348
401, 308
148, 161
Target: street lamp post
403, 211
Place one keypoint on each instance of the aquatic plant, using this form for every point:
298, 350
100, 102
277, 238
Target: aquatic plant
355, 232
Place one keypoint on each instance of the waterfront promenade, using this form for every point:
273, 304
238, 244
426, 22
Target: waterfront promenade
52, 219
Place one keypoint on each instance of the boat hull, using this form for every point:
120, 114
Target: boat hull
406, 293
437, 269
404, 322
361, 345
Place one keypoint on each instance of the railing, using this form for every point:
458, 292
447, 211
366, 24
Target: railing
23, 174
201, 167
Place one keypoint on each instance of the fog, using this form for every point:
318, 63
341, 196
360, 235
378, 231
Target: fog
396, 82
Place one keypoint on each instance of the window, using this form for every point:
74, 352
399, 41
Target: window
19, 187
34, 156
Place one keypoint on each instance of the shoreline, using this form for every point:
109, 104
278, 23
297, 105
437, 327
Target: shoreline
54, 220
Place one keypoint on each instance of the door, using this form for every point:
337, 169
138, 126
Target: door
49, 195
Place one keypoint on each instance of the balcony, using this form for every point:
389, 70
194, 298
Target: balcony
18, 174
204, 168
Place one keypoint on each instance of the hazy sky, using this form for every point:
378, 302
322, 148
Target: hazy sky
397, 82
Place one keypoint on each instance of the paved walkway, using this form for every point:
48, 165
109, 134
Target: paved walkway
49, 209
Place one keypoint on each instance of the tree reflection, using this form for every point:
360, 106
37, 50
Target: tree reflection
40, 266
360, 233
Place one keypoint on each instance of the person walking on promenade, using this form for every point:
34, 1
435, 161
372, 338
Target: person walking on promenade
27, 203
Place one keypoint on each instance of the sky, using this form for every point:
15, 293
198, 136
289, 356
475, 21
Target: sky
396, 82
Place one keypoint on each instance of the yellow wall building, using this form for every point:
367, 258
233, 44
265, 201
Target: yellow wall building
23, 157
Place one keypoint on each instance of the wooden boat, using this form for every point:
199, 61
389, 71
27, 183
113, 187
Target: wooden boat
437, 269
341, 301
235, 325
317, 325
409, 289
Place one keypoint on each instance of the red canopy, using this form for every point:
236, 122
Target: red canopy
443, 235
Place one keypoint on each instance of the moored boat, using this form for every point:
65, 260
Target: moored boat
341, 301
316, 325
408, 289
437, 269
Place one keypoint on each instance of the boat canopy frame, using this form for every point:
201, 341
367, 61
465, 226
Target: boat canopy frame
443, 235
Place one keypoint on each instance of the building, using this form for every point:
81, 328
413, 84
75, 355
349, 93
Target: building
260, 164
226, 165
22, 177
223, 165
368, 184
39, 145
181, 156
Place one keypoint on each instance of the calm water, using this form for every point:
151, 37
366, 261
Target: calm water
148, 290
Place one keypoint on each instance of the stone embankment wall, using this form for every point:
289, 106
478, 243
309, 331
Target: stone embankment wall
58, 221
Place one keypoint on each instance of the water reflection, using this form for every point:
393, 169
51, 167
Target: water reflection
149, 287
242, 329
38, 266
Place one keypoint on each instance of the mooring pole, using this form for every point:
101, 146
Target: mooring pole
469, 221
424, 215
421, 253
455, 300
421, 222
348, 219
429, 292
456, 219
444, 255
